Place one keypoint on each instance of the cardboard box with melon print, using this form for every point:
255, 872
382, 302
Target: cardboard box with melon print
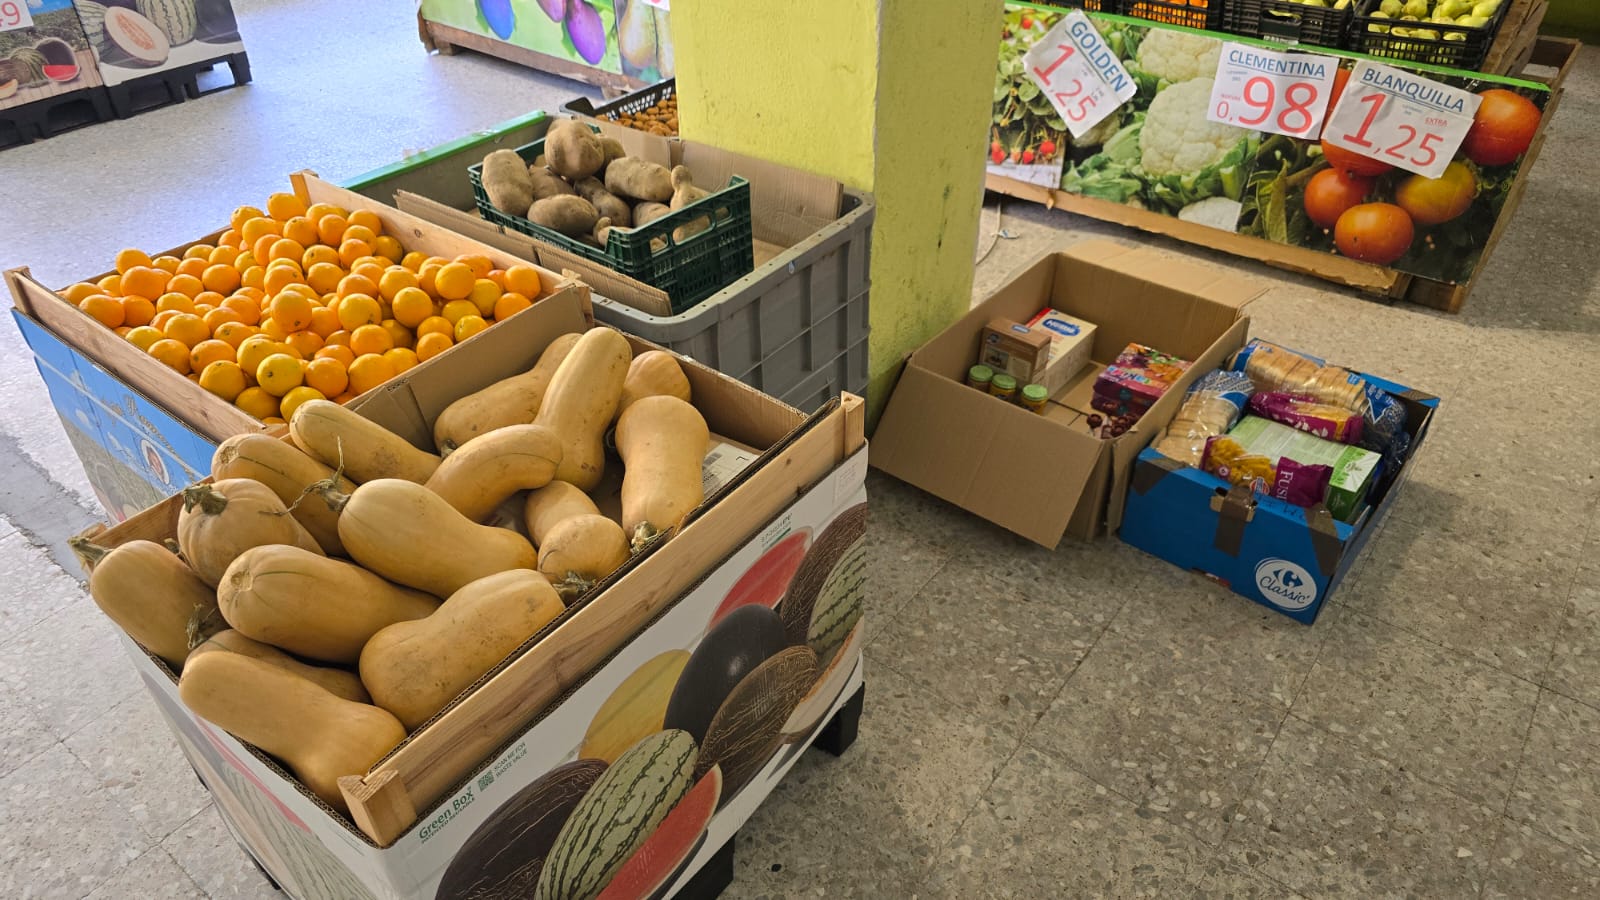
177, 422
47, 60
131, 39
657, 712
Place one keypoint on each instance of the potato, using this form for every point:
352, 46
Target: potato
547, 183
573, 149
683, 190
602, 231
506, 181
639, 180
612, 149
607, 203
649, 211
570, 215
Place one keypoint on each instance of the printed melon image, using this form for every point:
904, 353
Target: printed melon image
28, 65
748, 728
92, 15
825, 599
132, 40
807, 716
175, 18
638, 707
217, 22
60, 60
765, 582
661, 861
9, 88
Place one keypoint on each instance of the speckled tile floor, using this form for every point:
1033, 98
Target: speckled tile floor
1085, 722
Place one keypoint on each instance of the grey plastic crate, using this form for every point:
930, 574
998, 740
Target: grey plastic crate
795, 328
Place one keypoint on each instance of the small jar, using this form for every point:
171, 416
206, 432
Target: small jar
1034, 397
979, 377
1003, 386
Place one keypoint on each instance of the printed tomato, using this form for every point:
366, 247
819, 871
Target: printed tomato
1341, 77
1503, 128
1378, 233
1331, 192
1434, 201
1354, 163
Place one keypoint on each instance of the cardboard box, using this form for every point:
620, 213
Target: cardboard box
57, 35
1071, 340
1142, 295
1281, 556
215, 35
1015, 349
452, 784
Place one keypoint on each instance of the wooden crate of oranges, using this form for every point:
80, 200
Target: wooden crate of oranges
321, 294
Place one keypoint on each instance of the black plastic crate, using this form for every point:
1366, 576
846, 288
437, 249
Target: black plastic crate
688, 270
1174, 12
634, 103
1288, 21
1451, 46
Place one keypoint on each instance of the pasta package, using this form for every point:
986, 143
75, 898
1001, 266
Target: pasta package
1297, 483
1334, 423
1211, 407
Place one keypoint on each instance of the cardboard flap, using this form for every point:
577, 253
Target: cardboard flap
993, 459
1235, 511
1325, 541
786, 205
1152, 469
646, 146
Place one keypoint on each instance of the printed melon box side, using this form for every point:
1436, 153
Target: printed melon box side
47, 60
134, 38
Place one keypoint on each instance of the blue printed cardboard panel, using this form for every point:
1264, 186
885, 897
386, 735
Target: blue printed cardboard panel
134, 453
1277, 558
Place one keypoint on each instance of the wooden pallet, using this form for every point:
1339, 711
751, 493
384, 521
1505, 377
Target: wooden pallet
175, 85
52, 115
446, 40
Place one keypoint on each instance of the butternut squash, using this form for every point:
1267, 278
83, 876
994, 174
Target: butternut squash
290, 473
653, 373
662, 441
338, 682
408, 534
414, 669
552, 504
317, 607
513, 401
360, 448
486, 470
152, 595
582, 401
581, 550
223, 519
319, 736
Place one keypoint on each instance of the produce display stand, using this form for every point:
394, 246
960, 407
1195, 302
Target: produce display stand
175, 85
155, 60
57, 84
1517, 52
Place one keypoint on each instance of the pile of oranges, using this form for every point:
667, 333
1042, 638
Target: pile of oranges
300, 303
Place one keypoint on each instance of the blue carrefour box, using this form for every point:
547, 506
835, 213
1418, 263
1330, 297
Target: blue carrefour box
1277, 554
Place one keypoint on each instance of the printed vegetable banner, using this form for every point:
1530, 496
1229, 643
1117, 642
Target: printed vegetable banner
1161, 153
628, 37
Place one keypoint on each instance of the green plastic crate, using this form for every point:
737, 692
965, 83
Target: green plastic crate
688, 271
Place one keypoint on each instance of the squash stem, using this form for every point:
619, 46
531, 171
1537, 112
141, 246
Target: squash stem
643, 533
88, 552
210, 500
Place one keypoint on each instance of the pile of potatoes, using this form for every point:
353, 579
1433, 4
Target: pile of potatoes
584, 186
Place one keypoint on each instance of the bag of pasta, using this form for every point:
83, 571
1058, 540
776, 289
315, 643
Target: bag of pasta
1211, 407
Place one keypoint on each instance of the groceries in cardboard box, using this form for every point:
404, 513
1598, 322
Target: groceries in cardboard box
1071, 340
1015, 349
1353, 469
1139, 377
1288, 480
1211, 407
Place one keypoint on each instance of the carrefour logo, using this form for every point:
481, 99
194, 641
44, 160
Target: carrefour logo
1286, 584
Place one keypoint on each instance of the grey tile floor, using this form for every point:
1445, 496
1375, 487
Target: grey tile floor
1083, 722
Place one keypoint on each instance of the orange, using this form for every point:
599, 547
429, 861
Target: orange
327, 375
188, 328
145, 281
340, 338
483, 296
187, 285
258, 403
361, 233
317, 210
301, 230
191, 267
411, 306
223, 378
318, 253
75, 293
245, 261
432, 344
219, 317
402, 336
292, 400
274, 420
351, 250
255, 229
279, 374
231, 239
208, 298
480, 265
523, 280
305, 343
330, 229
200, 309
111, 284
339, 353
198, 251
468, 326
357, 310
107, 311
129, 258
122, 331
454, 281
280, 277
357, 284
413, 260
224, 279
173, 353
394, 280
272, 329
292, 311
367, 372
143, 336
137, 311
255, 349
247, 309
253, 277
344, 398
284, 248
167, 264
162, 318
498, 276
388, 248
261, 249
207, 352
402, 359
367, 219
370, 339
426, 279
181, 302
224, 255
233, 332
242, 215
437, 325
324, 321
509, 304
282, 206
456, 310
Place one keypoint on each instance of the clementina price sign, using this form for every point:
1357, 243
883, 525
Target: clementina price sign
1077, 71
1267, 90
14, 14
1406, 120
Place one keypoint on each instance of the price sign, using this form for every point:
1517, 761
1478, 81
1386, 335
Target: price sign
14, 14
1077, 71
1265, 90
1406, 120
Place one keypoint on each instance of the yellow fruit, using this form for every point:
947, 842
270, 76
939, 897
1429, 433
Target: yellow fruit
437, 325
388, 248
253, 350
108, 311
257, 402
468, 326
305, 343
234, 333
223, 378
357, 310
127, 259
188, 328
402, 359
143, 336
284, 207
291, 311
456, 310
367, 372
413, 260
367, 219
401, 335
324, 276
454, 281
279, 374
411, 306
483, 296
433, 344
296, 396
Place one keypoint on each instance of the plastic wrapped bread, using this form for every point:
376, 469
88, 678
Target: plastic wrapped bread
1211, 407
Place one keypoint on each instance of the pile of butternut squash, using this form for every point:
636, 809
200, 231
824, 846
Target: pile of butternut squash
331, 594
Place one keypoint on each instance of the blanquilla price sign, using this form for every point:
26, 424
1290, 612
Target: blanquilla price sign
1077, 71
14, 14
1267, 90
1406, 120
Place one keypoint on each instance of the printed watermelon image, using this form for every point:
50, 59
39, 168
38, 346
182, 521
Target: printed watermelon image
746, 638
660, 862
765, 582
826, 598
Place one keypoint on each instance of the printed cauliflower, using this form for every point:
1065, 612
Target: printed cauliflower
1179, 56
1178, 139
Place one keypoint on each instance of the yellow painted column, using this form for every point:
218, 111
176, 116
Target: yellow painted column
892, 97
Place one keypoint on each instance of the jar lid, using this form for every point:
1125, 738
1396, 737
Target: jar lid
1005, 382
1035, 393
980, 373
